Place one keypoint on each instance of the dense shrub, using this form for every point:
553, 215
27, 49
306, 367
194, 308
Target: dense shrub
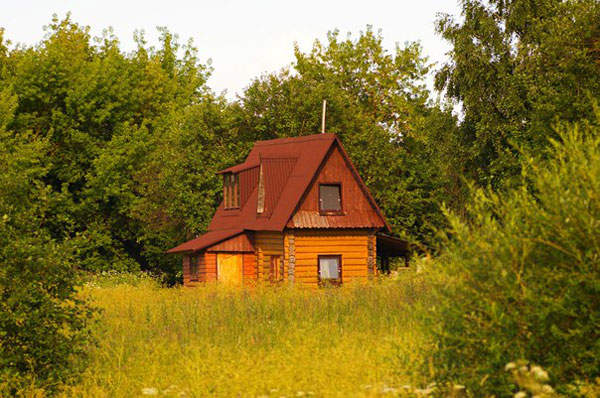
43, 323
520, 277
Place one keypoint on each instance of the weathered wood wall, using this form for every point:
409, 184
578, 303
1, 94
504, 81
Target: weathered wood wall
240, 243
249, 268
352, 245
207, 269
356, 246
186, 270
289, 255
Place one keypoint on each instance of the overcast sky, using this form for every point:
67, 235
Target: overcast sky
244, 39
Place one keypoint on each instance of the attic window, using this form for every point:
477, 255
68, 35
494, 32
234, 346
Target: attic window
231, 191
330, 198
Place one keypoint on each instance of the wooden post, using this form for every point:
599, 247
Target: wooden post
371, 253
292, 261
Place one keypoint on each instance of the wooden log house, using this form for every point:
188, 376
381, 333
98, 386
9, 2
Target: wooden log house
296, 210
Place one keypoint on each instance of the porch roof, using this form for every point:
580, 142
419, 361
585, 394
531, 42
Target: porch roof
203, 241
391, 246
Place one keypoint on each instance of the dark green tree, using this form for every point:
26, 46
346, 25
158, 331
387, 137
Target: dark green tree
43, 321
178, 191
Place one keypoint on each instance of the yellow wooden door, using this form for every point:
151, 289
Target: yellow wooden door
229, 268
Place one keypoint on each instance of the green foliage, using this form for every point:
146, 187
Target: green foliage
109, 158
43, 323
516, 67
178, 188
520, 278
104, 113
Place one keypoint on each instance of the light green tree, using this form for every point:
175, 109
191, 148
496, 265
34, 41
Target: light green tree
517, 67
519, 279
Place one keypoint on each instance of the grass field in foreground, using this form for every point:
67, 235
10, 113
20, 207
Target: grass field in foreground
267, 341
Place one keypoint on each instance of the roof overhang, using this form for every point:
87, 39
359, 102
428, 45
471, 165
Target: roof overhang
391, 246
238, 168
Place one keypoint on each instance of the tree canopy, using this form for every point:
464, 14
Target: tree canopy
518, 67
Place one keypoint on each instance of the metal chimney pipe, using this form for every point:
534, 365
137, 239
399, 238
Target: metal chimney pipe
323, 117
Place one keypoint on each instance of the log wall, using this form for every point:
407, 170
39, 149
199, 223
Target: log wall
207, 269
267, 244
352, 245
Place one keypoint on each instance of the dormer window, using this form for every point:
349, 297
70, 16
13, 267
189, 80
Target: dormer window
330, 198
231, 191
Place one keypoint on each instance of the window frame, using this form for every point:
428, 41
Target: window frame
331, 212
329, 281
231, 191
194, 263
275, 269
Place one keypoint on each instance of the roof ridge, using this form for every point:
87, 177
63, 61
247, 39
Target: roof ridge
304, 138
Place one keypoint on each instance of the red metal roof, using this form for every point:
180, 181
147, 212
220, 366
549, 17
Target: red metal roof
351, 219
288, 166
238, 168
276, 173
248, 180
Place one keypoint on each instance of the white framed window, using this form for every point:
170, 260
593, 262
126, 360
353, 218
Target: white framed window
330, 269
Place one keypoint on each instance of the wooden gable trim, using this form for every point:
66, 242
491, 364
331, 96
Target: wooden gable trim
361, 183
239, 243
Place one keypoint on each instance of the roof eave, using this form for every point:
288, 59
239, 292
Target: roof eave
177, 250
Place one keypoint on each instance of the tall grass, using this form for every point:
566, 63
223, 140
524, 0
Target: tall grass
264, 341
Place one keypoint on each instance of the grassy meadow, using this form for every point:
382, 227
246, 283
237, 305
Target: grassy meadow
263, 341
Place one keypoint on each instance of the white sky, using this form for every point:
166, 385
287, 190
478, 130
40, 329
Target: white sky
244, 39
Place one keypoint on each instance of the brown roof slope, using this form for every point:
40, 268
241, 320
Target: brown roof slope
288, 166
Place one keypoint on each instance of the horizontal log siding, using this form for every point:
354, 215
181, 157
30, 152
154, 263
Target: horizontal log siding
267, 244
352, 245
249, 268
207, 269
